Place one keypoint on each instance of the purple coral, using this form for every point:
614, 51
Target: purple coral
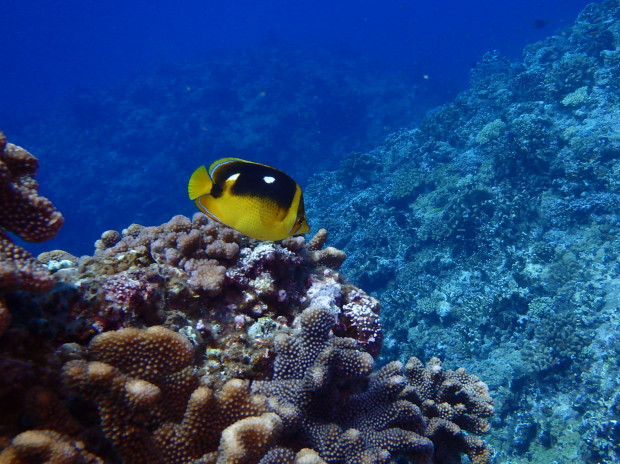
322, 391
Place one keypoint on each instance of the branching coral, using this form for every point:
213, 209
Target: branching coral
323, 390
317, 391
46, 447
323, 405
454, 403
318, 256
28, 215
153, 409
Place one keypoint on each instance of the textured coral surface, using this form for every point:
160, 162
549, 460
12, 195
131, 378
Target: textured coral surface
188, 343
323, 403
26, 214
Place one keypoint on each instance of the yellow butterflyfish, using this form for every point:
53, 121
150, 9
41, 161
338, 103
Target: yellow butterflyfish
255, 199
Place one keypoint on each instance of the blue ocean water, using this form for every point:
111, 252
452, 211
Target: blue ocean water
57, 50
85, 72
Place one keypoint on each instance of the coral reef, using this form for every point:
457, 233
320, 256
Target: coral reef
227, 293
489, 234
26, 214
322, 403
187, 343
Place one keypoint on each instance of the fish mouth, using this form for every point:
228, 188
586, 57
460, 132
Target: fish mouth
300, 227
301, 223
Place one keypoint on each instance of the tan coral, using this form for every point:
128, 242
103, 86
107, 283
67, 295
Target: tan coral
318, 256
19, 270
148, 354
148, 381
318, 241
46, 447
280, 455
108, 239
329, 257
248, 439
56, 255
24, 212
28, 215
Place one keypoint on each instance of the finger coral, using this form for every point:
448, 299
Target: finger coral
153, 410
319, 256
26, 214
329, 401
323, 404
46, 447
456, 405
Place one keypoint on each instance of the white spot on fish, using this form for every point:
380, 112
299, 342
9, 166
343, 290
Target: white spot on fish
269, 179
233, 177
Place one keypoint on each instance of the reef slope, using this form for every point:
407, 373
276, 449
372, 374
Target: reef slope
490, 234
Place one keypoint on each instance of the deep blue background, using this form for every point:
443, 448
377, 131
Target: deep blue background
53, 52
50, 49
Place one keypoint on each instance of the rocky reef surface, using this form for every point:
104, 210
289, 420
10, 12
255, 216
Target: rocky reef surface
188, 343
490, 235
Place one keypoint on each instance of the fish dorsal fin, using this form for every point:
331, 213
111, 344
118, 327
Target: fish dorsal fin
199, 184
223, 161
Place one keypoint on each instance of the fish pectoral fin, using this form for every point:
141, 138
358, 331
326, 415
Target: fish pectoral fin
199, 183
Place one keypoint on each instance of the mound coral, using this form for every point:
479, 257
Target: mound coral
227, 293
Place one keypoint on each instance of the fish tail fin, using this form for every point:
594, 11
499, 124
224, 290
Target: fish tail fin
199, 184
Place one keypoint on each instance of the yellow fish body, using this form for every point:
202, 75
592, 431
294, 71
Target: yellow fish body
257, 200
